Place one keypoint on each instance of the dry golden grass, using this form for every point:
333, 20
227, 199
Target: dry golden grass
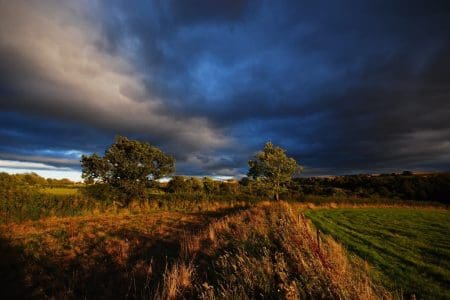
266, 252
109, 255
176, 280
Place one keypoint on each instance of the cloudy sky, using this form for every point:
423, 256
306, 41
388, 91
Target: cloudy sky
344, 86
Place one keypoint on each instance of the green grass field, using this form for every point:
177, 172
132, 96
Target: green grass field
411, 247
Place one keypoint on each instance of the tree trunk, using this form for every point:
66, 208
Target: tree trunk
277, 197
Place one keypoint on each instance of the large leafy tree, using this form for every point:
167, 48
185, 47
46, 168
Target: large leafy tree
273, 168
127, 167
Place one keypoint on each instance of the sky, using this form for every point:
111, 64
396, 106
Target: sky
344, 86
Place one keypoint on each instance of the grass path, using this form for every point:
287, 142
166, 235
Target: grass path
411, 247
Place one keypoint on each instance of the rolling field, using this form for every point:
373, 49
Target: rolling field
411, 247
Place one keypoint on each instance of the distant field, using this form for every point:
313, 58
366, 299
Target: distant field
411, 247
60, 191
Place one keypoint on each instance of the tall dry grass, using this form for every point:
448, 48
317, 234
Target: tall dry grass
265, 252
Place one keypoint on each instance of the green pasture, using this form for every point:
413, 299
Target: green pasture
409, 246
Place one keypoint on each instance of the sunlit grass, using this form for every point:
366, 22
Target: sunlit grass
110, 255
60, 191
266, 252
411, 247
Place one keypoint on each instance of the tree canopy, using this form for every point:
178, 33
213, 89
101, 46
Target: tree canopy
127, 167
274, 168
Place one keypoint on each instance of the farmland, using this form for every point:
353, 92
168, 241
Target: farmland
409, 247
220, 250
263, 251
199, 238
172, 150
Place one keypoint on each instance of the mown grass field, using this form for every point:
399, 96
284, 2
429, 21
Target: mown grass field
409, 246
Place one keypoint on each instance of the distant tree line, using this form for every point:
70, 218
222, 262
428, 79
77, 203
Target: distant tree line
23, 197
31, 179
407, 186
433, 187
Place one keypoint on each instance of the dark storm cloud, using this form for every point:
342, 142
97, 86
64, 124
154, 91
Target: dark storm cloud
28, 138
54, 67
345, 87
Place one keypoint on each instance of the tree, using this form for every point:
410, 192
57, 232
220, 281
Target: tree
194, 185
210, 186
273, 168
177, 185
127, 167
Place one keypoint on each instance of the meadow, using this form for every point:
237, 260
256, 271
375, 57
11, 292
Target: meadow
265, 251
203, 239
121, 254
408, 247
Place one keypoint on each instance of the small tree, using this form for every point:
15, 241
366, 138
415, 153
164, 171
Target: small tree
127, 167
177, 185
273, 168
210, 186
